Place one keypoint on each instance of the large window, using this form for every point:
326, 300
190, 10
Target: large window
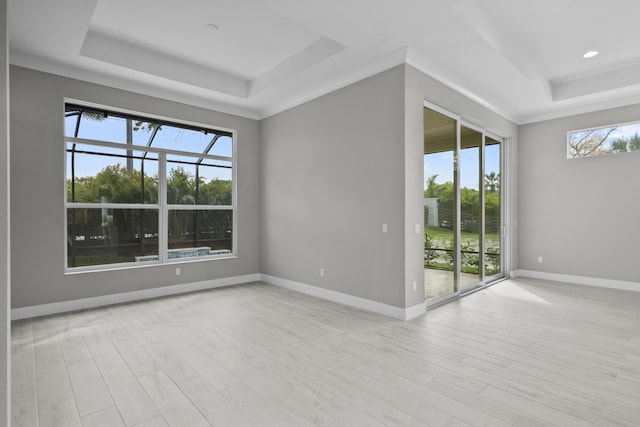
604, 140
144, 190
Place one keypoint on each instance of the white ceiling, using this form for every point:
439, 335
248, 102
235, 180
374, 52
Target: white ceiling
523, 59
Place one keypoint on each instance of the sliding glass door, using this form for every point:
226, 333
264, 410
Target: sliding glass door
493, 235
470, 208
440, 214
462, 206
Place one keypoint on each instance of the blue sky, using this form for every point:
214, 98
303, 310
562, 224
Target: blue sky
442, 165
627, 130
113, 129
624, 131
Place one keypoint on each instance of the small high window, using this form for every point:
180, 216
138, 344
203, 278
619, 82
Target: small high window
603, 140
142, 190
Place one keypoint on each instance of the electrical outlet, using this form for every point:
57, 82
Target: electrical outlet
178, 271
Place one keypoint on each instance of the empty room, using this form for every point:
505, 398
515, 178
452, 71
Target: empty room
281, 213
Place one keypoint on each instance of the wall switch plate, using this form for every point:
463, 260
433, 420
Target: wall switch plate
417, 228
384, 228
178, 271
539, 259
322, 272
414, 286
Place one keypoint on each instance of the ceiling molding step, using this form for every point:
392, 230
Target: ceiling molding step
311, 55
395, 58
450, 78
119, 52
502, 44
65, 20
581, 108
603, 82
143, 86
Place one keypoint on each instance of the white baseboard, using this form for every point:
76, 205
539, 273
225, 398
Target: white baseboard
415, 311
339, 297
346, 299
80, 304
579, 280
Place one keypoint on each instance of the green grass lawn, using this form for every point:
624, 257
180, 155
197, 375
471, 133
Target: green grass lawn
442, 238
443, 235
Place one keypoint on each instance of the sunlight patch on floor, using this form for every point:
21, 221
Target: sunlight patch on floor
510, 289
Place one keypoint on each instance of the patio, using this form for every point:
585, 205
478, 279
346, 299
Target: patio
438, 283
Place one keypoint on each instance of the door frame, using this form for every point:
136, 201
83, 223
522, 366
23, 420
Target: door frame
504, 240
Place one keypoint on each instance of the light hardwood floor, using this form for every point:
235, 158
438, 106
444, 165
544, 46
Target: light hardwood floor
522, 353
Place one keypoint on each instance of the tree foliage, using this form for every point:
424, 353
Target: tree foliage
492, 182
439, 252
183, 188
601, 141
589, 143
105, 235
469, 203
623, 145
116, 184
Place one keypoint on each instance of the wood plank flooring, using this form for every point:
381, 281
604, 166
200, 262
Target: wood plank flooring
521, 353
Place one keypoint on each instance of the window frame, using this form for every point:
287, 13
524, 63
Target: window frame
161, 207
615, 125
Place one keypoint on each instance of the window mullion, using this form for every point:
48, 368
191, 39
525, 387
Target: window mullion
200, 207
138, 206
163, 222
144, 148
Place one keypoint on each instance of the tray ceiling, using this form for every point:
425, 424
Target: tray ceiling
524, 60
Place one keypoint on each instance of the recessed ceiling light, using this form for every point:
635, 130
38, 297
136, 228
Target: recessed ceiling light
590, 54
212, 27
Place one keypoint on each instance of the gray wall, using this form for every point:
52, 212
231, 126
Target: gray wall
419, 87
332, 174
4, 218
37, 193
315, 185
580, 215
338, 167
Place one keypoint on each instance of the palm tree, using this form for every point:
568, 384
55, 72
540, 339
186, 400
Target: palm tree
431, 190
492, 182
